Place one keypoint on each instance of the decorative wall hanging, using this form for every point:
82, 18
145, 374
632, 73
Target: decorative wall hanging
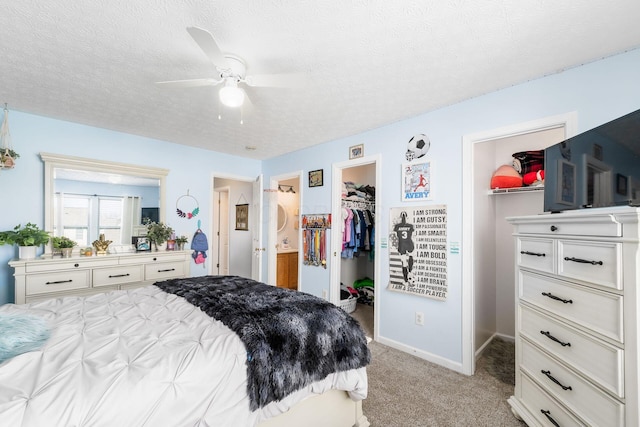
416, 181
356, 151
418, 251
7, 155
187, 206
315, 178
315, 239
242, 214
417, 147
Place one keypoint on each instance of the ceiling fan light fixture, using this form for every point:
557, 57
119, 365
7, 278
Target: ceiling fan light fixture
230, 94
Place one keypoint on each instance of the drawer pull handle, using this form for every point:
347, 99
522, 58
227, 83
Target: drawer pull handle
582, 261
552, 338
554, 228
58, 282
76, 265
548, 374
531, 253
549, 417
111, 276
168, 269
550, 295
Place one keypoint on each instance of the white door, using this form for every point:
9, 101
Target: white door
220, 261
256, 230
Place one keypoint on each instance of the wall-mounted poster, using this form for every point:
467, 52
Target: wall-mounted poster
416, 181
418, 251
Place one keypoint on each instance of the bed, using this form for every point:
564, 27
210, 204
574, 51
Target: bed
152, 356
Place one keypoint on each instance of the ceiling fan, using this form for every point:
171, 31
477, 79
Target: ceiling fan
230, 72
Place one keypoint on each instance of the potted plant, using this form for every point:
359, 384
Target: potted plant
65, 245
28, 238
158, 232
8, 157
181, 241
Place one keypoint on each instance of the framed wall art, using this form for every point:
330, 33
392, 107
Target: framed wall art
416, 181
356, 151
242, 217
315, 178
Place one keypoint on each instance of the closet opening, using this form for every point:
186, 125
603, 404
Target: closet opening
488, 264
355, 269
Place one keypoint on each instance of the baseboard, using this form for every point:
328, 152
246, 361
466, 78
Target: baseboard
430, 357
485, 344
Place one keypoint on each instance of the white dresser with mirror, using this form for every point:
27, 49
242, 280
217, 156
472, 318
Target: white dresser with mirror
53, 277
66, 177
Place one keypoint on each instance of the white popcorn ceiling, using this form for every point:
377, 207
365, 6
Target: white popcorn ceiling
367, 63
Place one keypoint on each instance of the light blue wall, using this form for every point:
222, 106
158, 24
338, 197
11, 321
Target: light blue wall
598, 92
21, 188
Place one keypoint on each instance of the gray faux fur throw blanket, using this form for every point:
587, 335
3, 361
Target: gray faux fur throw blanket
292, 338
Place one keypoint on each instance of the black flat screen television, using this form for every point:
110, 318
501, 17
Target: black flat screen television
597, 168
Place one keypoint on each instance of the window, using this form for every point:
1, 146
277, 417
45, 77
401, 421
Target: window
85, 217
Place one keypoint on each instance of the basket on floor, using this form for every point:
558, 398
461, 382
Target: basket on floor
349, 304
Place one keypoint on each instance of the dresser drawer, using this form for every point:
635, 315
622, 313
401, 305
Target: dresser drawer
66, 264
601, 362
573, 226
534, 253
54, 282
593, 262
597, 310
542, 406
117, 275
582, 398
151, 257
164, 270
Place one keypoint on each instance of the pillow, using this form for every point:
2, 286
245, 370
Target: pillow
20, 333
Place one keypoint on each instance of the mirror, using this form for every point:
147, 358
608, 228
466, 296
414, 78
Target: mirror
84, 198
282, 217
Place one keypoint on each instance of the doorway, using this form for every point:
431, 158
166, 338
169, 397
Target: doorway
355, 191
236, 239
488, 293
285, 237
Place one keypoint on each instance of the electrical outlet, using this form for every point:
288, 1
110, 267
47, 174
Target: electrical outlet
325, 294
419, 318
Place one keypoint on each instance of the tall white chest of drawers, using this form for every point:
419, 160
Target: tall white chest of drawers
577, 318
39, 279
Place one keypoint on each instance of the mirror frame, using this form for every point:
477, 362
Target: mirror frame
52, 161
284, 213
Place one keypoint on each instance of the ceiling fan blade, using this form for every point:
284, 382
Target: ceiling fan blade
189, 83
293, 80
209, 46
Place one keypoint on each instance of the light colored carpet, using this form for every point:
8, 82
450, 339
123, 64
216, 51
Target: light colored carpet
405, 390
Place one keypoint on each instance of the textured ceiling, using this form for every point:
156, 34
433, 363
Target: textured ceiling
366, 63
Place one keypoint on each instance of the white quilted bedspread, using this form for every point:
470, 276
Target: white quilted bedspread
140, 357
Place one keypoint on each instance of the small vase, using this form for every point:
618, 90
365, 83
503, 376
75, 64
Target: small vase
27, 252
66, 252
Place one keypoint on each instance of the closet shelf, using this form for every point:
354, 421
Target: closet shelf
536, 189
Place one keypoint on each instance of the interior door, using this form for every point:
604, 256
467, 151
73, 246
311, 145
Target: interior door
223, 230
256, 230
220, 248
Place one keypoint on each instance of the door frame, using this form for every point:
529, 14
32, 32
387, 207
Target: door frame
255, 223
569, 121
336, 240
272, 233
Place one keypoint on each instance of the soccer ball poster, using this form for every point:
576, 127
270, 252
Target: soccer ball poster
416, 181
418, 251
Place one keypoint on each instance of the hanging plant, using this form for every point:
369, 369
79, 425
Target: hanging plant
7, 155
